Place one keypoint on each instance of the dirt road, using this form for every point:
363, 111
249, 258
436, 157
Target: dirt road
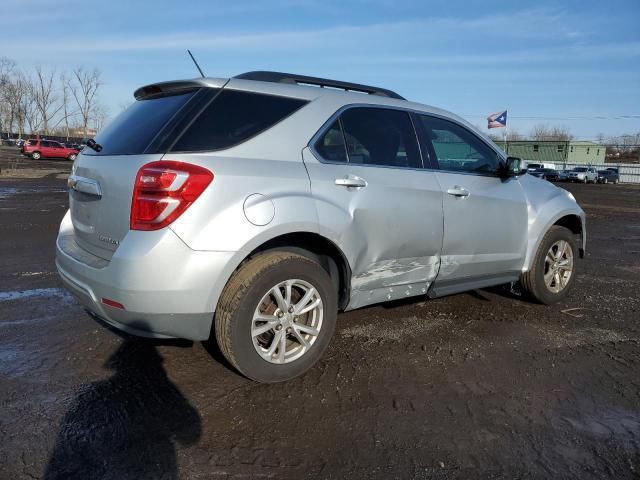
477, 385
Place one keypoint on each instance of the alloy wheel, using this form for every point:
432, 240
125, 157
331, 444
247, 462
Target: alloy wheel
287, 321
558, 266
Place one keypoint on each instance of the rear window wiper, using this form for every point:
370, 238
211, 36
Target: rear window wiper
91, 143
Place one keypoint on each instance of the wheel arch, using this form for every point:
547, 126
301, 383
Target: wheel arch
307, 243
571, 220
319, 248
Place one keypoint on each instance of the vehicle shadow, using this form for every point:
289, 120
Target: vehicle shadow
128, 425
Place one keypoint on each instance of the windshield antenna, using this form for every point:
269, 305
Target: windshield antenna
194, 61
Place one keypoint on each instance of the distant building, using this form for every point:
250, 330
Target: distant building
556, 151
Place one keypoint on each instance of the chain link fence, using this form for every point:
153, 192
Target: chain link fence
629, 172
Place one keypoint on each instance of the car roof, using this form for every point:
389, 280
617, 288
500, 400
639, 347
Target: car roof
303, 90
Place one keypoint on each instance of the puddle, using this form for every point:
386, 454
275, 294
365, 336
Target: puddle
36, 293
6, 192
612, 422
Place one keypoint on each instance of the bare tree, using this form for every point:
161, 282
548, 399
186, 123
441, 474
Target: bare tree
100, 117
45, 97
514, 135
83, 88
66, 106
7, 67
12, 96
545, 132
28, 108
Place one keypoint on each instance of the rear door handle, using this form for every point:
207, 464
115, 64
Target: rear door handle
458, 191
351, 181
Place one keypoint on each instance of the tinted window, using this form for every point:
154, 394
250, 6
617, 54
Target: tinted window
331, 145
377, 136
134, 129
456, 148
233, 117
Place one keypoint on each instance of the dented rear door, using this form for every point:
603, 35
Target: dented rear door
387, 219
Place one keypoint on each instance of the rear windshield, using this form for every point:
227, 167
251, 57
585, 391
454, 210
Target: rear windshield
204, 120
134, 129
234, 117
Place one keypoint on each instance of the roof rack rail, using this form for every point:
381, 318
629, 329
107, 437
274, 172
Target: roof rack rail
279, 77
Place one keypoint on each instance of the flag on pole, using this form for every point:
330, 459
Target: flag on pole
497, 120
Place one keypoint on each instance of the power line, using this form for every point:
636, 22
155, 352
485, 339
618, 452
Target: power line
577, 117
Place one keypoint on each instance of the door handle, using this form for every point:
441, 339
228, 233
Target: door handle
351, 181
458, 191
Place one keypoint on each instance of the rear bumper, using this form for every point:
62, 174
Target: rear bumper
167, 289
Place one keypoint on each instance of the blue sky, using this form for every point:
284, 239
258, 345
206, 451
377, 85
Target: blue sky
574, 63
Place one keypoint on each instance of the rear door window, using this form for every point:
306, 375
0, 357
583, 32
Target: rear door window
234, 117
135, 128
379, 136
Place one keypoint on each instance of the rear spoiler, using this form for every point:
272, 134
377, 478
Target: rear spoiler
174, 87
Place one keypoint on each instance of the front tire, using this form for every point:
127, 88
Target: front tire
554, 267
35, 155
276, 316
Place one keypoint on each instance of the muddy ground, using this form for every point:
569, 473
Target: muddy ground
476, 385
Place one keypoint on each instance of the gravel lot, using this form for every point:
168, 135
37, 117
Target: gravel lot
476, 385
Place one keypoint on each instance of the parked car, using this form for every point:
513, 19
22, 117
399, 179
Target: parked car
584, 175
546, 174
20, 142
608, 176
255, 208
535, 166
563, 175
37, 149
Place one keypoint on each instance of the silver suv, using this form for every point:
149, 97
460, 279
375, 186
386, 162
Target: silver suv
259, 206
584, 175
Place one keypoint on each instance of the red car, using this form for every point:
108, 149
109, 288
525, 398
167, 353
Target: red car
48, 149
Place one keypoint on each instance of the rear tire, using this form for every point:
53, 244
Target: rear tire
35, 155
251, 321
552, 274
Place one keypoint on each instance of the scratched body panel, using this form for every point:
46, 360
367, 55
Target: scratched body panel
390, 231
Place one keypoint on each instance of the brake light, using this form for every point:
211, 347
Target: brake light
163, 191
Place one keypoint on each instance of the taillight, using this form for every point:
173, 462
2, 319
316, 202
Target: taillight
163, 191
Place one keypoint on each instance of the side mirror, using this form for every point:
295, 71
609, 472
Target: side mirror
510, 167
